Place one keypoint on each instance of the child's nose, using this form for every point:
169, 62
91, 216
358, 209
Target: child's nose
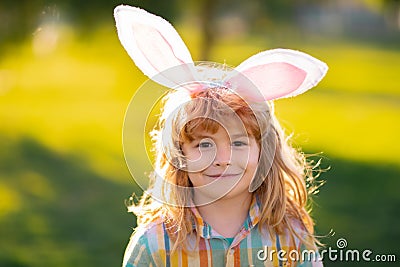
223, 156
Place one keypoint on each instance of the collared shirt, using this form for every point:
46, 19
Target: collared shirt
151, 246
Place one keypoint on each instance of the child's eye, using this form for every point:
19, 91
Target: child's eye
239, 143
205, 144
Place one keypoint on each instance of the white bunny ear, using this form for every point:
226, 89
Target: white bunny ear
154, 45
277, 73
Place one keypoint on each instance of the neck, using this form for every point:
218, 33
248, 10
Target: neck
226, 215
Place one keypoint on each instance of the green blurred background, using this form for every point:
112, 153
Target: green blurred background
65, 82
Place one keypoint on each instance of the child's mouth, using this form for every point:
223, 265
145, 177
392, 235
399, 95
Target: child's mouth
222, 175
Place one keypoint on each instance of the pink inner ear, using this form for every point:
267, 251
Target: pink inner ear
158, 53
276, 79
155, 48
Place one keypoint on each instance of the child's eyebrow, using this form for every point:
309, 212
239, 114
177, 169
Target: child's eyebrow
232, 136
202, 136
239, 135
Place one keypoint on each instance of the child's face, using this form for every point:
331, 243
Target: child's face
221, 164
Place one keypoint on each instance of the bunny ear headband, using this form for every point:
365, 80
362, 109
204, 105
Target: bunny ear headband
155, 46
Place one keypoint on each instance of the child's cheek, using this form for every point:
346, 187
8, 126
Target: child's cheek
198, 160
243, 157
249, 158
240, 158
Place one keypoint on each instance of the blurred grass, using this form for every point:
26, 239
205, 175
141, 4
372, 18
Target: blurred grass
360, 203
60, 212
63, 178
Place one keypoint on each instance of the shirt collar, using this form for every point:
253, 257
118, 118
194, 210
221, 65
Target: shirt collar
205, 230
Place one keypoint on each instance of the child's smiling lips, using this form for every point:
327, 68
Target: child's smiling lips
222, 175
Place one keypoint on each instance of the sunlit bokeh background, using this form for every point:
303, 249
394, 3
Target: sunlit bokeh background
65, 82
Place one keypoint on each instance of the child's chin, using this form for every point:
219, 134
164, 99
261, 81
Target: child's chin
208, 196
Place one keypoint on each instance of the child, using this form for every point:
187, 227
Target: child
227, 189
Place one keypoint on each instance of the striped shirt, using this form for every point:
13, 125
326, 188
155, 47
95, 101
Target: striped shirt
151, 246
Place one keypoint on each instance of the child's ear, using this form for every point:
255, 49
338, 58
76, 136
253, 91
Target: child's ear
277, 73
154, 45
